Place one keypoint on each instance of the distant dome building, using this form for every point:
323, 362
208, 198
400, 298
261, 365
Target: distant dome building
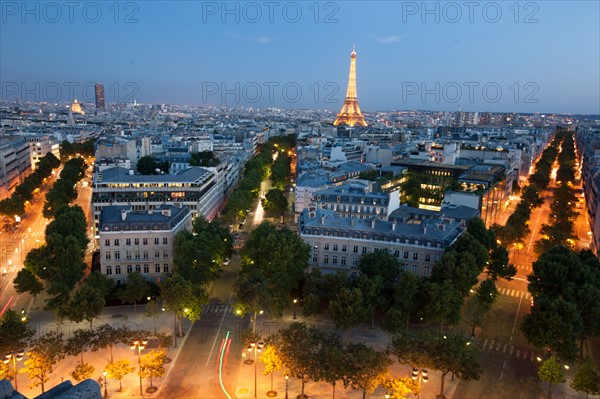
76, 108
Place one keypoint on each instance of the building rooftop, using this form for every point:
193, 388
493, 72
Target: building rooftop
122, 218
121, 175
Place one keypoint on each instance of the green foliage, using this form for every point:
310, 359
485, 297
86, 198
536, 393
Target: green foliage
587, 380
275, 202
565, 288
182, 298
366, 367
136, 288
87, 148
26, 281
399, 388
14, 333
63, 190
499, 266
43, 355
281, 257
147, 165
79, 342
199, 255
100, 282
204, 158
551, 372
449, 353
15, 205
86, 304
70, 221
348, 308
82, 371
152, 364
118, 370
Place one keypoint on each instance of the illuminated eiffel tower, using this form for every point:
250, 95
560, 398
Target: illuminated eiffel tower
350, 113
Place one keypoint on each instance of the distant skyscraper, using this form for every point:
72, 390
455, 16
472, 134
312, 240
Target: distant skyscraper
350, 113
100, 104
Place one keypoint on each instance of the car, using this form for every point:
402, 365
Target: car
226, 261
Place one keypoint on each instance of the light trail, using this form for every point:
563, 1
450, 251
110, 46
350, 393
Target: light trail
221, 365
6, 306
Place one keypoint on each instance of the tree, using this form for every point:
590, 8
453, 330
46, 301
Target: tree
551, 372
147, 165
449, 353
404, 302
79, 342
14, 333
399, 388
366, 367
331, 366
181, 298
275, 202
100, 282
70, 221
499, 266
272, 361
108, 336
86, 304
348, 309
477, 229
45, 352
26, 281
442, 302
281, 257
152, 311
299, 346
136, 288
82, 371
587, 380
152, 364
118, 370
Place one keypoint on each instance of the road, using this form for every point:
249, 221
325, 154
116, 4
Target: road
510, 362
195, 374
30, 234
14, 246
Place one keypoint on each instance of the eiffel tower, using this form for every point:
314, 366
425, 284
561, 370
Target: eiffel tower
350, 113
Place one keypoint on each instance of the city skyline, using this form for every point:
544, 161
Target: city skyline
488, 57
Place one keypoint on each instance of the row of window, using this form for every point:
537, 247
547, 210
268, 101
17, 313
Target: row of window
135, 255
138, 269
136, 241
326, 198
334, 262
343, 247
374, 237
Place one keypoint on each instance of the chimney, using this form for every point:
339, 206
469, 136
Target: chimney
323, 219
123, 214
425, 230
373, 223
442, 227
394, 225
166, 212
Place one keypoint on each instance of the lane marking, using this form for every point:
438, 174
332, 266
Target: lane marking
217, 334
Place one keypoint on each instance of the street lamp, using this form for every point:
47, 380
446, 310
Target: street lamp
139, 345
420, 375
104, 373
295, 302
258, 347
15, 357
287, 377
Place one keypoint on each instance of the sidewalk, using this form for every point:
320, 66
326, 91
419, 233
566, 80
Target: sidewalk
115, 316
245, 384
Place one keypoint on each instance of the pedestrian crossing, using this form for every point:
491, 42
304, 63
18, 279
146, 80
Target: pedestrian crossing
26, 236
217, 308
489, 345
514, 293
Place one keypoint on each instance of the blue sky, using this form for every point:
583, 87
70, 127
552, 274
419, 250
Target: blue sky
479, 56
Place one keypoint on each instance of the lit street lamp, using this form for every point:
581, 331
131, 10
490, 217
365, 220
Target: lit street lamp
420, 376
104, 373
139, 345
258, 347
295, 302
287, 377
15, 357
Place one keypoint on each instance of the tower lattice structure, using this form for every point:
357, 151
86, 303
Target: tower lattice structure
350, 113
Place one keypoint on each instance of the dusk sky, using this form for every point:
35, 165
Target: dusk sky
479, 56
